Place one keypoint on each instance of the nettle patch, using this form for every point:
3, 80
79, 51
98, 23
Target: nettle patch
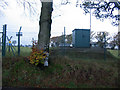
38, 56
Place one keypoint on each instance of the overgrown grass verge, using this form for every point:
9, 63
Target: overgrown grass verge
70, 70
24, 51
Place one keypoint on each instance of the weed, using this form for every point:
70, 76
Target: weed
68, 71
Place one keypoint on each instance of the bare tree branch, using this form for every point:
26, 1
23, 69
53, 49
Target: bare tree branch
3, 5
103, 10
64, 2
29, 5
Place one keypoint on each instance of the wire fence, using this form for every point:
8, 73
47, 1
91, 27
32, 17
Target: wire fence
27, 37
28, 34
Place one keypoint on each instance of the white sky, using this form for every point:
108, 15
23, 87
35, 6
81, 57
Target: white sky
71, 17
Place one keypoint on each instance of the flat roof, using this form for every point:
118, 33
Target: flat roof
81, 29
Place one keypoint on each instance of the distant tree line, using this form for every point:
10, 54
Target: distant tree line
112, 41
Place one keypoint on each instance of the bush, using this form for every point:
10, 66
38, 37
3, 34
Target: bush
38, 56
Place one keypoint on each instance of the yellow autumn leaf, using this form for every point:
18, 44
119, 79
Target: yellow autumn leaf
37, 60
32, 62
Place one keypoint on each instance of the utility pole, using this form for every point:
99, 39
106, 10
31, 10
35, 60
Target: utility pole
90, 19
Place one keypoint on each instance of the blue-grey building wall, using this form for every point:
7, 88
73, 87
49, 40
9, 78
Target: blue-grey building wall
81, 38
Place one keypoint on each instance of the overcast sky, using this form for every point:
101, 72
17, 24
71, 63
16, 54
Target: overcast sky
71, 17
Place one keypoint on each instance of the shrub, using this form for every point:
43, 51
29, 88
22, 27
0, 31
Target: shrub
38, 56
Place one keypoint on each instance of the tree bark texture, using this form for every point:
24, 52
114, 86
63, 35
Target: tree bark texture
45, 25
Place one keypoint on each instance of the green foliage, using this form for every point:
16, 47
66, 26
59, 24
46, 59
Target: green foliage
114, 53
101, 38
24, 51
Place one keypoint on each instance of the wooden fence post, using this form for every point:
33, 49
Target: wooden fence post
4, 40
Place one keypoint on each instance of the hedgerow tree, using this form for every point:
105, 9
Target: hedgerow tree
101, 38
115, 40
103, 9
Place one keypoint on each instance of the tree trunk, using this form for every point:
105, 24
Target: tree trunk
45, 25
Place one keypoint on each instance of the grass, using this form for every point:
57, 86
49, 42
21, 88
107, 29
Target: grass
24, 51
68, 70
114, 53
